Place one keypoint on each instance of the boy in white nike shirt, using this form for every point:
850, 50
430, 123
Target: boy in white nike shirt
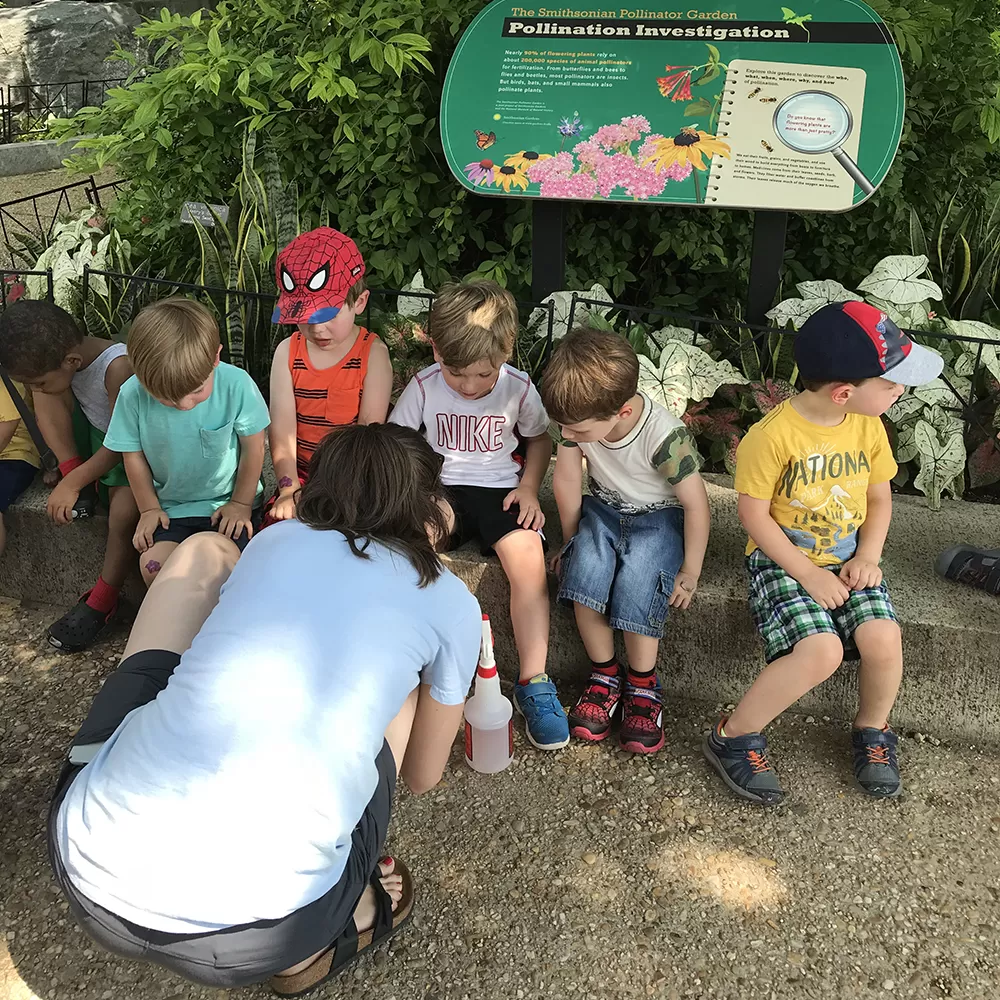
472, 406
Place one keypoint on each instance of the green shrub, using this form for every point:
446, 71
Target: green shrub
349, 100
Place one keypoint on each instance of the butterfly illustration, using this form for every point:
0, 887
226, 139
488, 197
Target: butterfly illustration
485, 139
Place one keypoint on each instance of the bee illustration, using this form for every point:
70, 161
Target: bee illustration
767, 145
484, 140
753, 93
768, 100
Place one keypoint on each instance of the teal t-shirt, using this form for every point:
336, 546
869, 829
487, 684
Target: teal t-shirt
193, 454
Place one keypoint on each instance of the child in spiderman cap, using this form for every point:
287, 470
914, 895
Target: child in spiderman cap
813, 482
329, 372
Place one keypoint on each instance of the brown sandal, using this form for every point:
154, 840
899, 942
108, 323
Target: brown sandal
351, 945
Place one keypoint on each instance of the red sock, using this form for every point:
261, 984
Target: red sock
103, 597
609, 668
647, 680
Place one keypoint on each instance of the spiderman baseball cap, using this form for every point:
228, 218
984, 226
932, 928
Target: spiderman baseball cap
314, 274
853, 340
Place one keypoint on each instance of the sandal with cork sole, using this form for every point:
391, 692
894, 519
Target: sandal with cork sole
351, 945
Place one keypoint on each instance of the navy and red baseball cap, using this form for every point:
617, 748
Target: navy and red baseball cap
853, 340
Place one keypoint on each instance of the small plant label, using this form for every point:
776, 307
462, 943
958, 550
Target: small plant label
202, 212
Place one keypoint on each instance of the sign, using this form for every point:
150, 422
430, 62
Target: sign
203, 213
752, 106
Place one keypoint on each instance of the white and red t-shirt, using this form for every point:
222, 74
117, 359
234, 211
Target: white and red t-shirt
476, 436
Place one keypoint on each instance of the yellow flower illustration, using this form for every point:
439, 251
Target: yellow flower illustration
525, 159
509, 176
690, 145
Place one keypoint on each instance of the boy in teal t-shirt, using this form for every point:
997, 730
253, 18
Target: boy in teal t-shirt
191, 432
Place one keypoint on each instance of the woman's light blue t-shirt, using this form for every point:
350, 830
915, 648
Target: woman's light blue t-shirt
193, 454
232, 796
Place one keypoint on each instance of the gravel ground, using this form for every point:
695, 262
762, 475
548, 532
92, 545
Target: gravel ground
585, 874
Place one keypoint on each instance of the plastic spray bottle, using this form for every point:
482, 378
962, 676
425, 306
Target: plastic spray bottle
489, 731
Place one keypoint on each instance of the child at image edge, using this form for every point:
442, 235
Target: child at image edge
42, 347
470, 403
813, 482
331, 371
633, 548
191, 432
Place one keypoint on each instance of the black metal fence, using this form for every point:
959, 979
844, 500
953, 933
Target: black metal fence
31, 219
25, 109
762, 353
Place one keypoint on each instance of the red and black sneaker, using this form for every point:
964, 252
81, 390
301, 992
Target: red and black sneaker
642, 719
590, 718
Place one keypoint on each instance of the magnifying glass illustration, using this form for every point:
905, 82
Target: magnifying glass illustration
814, 121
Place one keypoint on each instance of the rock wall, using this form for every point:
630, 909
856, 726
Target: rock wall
60, 41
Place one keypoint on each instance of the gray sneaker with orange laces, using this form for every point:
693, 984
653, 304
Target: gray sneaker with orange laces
875, 763
743, 765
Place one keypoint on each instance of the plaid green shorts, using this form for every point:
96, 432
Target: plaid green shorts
785, 614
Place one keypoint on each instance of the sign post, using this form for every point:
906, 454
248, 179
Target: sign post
548, 248
754, 107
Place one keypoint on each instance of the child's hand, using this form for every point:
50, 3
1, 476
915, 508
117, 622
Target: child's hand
233, 519
149, 521
859, 574
826, 588
685, 585
283, 508
51, 477
555, 561
61, 500
530, 515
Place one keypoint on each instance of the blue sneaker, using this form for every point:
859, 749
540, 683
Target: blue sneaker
743, 765
544, 719
875, 763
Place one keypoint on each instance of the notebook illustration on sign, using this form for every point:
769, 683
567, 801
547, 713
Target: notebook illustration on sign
793, 131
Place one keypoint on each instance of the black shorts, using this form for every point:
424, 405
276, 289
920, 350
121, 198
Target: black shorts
236, 956
15, 477
181, 528
479, 515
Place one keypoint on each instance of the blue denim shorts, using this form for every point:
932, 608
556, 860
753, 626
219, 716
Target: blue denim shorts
623, 565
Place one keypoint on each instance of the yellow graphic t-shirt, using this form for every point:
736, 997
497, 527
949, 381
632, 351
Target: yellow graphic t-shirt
815, 477
20, 446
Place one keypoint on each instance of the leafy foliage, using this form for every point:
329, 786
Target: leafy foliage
348, 98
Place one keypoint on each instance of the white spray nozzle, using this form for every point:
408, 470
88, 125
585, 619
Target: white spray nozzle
486, 646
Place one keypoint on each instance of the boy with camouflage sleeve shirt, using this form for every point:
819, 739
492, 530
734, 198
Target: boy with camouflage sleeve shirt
634, 548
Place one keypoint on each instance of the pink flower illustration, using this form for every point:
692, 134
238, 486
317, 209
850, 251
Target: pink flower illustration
648, 147
589, 153
644, 182
638, 122
615, 171
480, 172
575, 186
557, 166
678, 171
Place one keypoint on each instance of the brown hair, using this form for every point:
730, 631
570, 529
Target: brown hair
473, 321
354, 292
35, 337
591, 375
814, 384
173, 346
378, 483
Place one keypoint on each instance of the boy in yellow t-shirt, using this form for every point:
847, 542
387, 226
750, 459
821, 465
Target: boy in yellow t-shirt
813, 479
18, 455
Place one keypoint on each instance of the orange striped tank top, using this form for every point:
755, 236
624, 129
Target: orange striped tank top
327, 397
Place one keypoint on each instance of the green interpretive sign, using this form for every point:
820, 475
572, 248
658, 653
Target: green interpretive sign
754, 106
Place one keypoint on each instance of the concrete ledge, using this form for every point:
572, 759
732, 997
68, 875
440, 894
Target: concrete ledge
33, 157
710, 652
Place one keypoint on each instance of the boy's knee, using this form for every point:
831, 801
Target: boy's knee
880, 642
822, 656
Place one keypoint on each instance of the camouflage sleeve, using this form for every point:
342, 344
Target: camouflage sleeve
555, 432
677, 457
